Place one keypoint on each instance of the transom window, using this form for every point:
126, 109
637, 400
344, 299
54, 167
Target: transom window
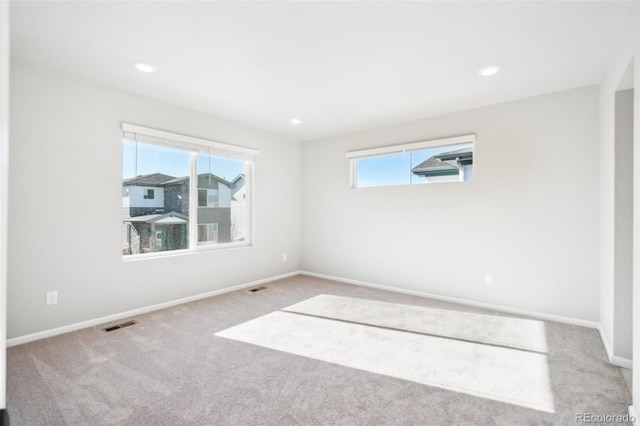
182, 193
433, 161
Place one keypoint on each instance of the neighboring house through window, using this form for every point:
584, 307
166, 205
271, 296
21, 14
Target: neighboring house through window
449, 166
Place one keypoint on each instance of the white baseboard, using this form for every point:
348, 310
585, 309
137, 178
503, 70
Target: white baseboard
500, 308
621, 362
607, 346
109, 318
102, 320
614, 359
633, 416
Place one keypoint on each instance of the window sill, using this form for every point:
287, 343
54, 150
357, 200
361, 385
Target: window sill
175, 253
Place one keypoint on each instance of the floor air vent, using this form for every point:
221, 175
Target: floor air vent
117, 326
253, 290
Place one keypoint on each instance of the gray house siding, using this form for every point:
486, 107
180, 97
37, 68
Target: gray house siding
207, 182
221, 216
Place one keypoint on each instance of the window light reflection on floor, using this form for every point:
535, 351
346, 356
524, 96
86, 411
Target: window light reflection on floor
500, 373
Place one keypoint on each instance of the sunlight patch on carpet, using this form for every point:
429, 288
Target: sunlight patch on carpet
491, 329
498, 373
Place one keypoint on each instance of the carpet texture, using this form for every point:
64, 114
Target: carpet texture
497, 373
171, 369
475, 327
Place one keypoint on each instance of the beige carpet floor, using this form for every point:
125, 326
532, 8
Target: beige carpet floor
493, 372
474, 327
171, 369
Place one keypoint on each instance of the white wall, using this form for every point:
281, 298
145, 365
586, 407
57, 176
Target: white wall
623, 57
635, 407
623, 225
530, 217
67, 130
626, 55
4, 175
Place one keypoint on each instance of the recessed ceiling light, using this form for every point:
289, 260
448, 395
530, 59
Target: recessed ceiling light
295, 121
489, 71
141, 66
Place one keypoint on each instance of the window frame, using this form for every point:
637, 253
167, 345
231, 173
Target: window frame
195, 146
354, 156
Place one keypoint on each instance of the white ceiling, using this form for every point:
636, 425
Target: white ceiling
338, 66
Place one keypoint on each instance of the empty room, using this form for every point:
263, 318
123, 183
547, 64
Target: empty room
319, 212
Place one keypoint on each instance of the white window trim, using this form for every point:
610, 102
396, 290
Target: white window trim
143, 134
354, 156
414, 146
197, 146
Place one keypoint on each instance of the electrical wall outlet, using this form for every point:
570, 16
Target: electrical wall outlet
488, 279
284, 257
52, 298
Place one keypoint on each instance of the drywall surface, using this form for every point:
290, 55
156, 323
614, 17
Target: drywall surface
623, 226
529, 218
4, 189
616, 77
634, 22
65, 205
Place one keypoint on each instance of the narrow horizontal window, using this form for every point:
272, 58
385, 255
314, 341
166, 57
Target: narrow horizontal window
180, 193
441, 160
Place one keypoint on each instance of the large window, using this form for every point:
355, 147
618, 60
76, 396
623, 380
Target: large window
182, 193
442, 160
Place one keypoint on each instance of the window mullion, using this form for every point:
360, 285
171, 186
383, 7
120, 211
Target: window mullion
249, 220
193, 202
